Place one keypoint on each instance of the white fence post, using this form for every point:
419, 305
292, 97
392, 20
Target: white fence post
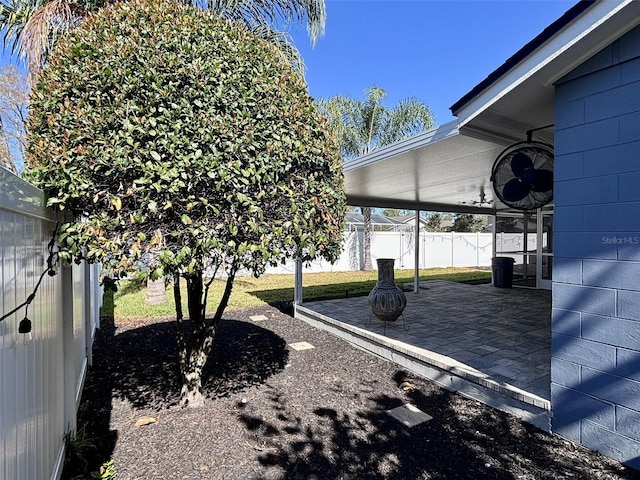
452, 251
89, 319
69, 368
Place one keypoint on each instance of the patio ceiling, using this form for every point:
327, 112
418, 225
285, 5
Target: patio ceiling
448, 168
439, 170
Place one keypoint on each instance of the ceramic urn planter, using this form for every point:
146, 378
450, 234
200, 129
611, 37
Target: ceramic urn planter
386, 300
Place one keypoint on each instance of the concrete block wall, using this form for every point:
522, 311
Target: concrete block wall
595, 370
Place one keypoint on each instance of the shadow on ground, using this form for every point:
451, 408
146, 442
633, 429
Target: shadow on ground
369, 444
323, 417
318, 292
464, 440
140, 365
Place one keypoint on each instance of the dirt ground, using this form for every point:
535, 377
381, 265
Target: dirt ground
276, 413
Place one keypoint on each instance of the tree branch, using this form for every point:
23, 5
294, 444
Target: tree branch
224, 301
206, 290
182, 346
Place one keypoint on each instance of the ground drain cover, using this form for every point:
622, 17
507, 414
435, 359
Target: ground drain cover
409, 415
301, 346
258, 318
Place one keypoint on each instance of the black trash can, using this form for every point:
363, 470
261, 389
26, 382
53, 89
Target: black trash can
502, 268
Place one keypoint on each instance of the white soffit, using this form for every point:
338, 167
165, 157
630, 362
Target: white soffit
438, 170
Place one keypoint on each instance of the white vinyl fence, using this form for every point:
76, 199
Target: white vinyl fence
436, 249
41, 375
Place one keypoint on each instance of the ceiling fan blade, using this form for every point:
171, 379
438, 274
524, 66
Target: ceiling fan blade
542, 180
519, 163
515, 190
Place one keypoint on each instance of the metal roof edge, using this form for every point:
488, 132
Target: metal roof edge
433, 135
374, 202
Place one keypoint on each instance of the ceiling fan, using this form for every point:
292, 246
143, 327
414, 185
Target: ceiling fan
483, 199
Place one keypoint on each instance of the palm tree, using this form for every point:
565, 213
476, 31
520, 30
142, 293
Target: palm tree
32, 28
361, 126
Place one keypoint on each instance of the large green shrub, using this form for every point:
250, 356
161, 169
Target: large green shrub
179, 141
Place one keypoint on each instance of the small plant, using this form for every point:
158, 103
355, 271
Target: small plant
77, 444
107, 471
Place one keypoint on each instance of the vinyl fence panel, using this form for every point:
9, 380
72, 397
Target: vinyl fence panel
437, 249
36, 410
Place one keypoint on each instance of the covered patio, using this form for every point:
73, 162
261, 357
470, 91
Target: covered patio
490, 344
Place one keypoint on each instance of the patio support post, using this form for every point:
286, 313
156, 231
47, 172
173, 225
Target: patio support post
493, 219
525, 247
494, 234
297, 287
416, 249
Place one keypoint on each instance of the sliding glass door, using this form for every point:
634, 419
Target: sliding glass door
527, 237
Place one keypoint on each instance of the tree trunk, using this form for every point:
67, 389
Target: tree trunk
193, 357
366, 214
191, 393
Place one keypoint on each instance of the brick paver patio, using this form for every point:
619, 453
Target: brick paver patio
496, 334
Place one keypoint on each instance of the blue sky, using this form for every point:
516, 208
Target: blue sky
436, 50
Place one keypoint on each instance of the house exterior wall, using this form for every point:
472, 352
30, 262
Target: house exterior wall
595, 370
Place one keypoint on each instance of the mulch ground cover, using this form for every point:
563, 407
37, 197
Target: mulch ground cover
276, 413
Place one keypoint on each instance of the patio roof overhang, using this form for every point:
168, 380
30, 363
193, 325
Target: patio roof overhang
439, 170
448, 168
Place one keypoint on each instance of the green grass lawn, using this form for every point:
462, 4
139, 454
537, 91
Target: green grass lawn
129, 302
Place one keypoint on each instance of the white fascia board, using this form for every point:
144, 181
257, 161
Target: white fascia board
433, 135
586, 24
